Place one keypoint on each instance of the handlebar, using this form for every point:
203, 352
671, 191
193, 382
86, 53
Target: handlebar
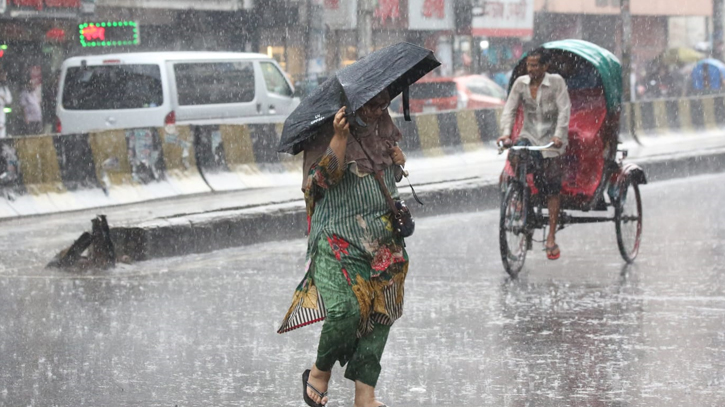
501, 147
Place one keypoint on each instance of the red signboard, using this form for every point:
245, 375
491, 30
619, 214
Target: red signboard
434, 9
332, 4
387, 9
41, 4
109, 34
55, 34
503, 18
63, 3
93, 33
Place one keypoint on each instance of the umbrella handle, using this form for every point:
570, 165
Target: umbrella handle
406, 104
350, 115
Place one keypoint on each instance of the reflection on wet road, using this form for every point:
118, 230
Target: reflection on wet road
581, 331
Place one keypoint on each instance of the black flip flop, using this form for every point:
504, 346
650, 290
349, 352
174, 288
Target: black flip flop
305, 385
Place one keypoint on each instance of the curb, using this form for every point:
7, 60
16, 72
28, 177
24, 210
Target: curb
213, 231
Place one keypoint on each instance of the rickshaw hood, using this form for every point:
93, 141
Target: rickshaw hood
606, 63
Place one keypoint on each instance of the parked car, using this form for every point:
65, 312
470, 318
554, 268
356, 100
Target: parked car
135, 90
431, 94
479, 92
463, 92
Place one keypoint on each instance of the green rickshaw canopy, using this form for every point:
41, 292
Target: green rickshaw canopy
606, 63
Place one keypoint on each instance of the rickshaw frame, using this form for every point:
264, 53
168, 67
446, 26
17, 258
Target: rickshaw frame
522, 209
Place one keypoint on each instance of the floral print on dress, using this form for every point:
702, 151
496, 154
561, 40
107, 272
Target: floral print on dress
339, 246
383, 259
347, 276
387, 222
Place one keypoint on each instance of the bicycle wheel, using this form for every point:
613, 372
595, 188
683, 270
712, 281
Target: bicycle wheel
628, 221
512, 229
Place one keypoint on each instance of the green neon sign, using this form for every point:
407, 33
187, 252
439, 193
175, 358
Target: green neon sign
109, 34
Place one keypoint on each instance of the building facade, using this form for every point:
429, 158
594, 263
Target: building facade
598, 21
317, 37
35, 37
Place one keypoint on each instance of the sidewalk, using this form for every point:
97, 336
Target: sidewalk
29, 243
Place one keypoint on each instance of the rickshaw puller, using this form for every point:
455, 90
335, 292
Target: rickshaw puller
547, 109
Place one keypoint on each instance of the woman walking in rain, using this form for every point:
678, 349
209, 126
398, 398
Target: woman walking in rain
356, 265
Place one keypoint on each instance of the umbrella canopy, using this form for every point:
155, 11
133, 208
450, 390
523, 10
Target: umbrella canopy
393, 68
680, 56
708, 74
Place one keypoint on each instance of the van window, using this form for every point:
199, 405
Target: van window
211, 83
112, 87
433, 90
274, 79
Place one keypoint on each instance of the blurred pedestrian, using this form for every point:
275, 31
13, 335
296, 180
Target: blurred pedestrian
660, 83
356, 265
6, 98
32, 110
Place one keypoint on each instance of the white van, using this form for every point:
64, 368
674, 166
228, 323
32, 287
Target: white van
133, 90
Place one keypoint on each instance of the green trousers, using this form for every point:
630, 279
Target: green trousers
338, 341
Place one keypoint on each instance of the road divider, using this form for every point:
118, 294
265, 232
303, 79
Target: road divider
667, 116
234, 157
53, 173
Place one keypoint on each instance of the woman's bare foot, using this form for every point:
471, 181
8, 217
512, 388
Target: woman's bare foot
318, 379
365, 396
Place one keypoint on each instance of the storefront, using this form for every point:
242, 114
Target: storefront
37, 35
342, 21
600, 22
431, 23
180, 29
282, 36
501, 31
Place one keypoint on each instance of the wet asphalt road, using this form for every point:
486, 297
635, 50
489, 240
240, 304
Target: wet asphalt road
581, 331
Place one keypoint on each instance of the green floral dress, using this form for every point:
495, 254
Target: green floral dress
350, 232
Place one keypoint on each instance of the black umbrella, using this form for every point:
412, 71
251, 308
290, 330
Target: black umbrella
393, 68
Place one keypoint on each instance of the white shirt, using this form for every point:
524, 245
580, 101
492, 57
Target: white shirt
31, 106
544, 118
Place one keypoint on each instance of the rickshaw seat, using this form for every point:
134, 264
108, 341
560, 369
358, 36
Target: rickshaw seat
584, 157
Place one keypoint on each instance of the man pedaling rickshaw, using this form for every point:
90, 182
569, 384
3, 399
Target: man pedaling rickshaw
546, 112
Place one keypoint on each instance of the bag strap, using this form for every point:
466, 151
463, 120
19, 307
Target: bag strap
386, 193
379, 179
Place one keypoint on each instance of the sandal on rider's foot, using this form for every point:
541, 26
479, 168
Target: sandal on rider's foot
306, 385
550, 252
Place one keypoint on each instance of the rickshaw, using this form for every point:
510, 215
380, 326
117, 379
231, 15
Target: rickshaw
598, 186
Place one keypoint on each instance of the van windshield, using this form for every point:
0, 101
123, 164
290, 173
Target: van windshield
209, 83
112, 87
